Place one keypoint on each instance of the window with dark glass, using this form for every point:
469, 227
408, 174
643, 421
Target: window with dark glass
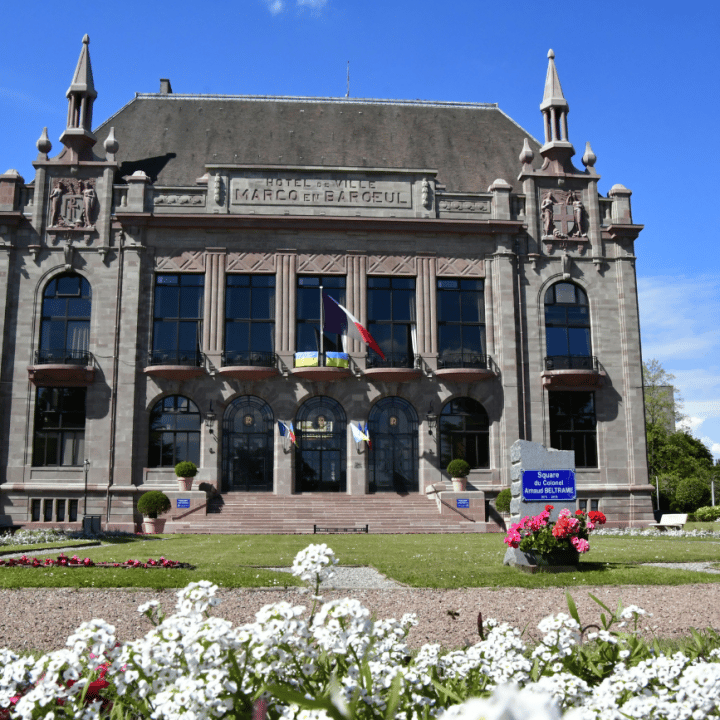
573, 425
177, 323
249, 320
59, 437
65, 322
464, 432
174, 432
309, 309
461, 323
391, 321
567, 327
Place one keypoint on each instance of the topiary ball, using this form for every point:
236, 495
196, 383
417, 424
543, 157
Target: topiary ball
458, 468
502, 501
153, 502
186, 469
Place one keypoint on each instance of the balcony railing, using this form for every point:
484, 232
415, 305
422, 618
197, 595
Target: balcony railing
188, 358
393, 360
571, 362
245, 358
463, 360
63, 356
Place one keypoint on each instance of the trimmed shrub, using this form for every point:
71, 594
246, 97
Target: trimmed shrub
458, 468
186, 469
153, 502
691, 494
502, 501
708, 513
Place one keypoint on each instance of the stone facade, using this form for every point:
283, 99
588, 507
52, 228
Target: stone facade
238, 187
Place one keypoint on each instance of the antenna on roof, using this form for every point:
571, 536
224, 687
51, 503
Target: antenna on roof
347, 94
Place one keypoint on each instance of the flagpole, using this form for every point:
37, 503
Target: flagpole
321, 359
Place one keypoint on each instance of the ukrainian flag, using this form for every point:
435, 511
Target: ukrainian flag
337, 359
306, 359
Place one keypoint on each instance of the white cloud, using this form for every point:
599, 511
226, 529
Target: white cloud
25, 101
715, 449
691, 423
313, 4
275, 6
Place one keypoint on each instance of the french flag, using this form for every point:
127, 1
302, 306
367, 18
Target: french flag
287, 430
336, 321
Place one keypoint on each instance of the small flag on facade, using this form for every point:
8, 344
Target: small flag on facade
337, 359
306, 359
358, 434
336, 321
287, 431
367, 435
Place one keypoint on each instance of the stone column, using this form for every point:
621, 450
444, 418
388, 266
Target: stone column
356, 299
426, 294
214, 306
285, 301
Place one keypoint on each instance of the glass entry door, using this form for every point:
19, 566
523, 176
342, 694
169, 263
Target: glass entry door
247, 446
321, 440
394, 453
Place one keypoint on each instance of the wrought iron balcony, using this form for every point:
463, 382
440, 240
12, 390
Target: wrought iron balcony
189, 358
63, 356
393, 360
464, 360
248, 358
571, 362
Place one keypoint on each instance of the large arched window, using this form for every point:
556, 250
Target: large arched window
464, 433
174, 432
321, 441
248, 445
394, 454
567, 327
65, 322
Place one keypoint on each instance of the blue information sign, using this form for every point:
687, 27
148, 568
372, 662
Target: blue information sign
542, 485
463, 502
183, 503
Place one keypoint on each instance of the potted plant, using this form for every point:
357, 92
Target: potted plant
150, 504
185, 472
458, 470
502, 501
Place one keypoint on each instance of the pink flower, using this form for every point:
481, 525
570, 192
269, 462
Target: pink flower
580, 545
564, 513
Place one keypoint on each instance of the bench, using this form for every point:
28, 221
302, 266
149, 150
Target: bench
317, 529
667, 520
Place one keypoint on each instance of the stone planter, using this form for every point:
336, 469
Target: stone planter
153, 526
185, 483
459, 484
557, 559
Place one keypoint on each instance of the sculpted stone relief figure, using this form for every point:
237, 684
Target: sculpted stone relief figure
73, 204
547, 214
563, 215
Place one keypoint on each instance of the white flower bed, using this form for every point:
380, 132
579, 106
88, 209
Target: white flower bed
339, 663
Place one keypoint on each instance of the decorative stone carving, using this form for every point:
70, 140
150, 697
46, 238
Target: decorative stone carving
480, 206
250, 262
563, 215
184, 262
184, 199
464, 267
73, 204
320, 263
391, 265
68, 251
426, 195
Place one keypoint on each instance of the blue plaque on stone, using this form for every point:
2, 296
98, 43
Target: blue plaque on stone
543, 485
183, 503
463, 503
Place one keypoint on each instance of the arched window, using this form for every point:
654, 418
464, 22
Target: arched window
174, 432
567, 327
248, 445
321, 442
65, 322
464, 433
394, 456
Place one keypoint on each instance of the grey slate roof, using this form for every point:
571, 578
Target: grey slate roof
171, 137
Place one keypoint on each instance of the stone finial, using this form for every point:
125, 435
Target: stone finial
619, 190
500, 184
557, 149
589, 157
526, 154
111, 145
43, 144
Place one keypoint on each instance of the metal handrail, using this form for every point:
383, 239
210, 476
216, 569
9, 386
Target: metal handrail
393, 360
248, 358
191, 358
464, 360
63, 356
571, 362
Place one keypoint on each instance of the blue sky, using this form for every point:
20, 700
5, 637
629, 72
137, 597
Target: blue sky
640, 78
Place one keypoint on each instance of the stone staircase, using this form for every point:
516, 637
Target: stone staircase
265, 513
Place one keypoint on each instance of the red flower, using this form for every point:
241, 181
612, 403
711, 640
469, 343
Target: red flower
579, 512
548, 508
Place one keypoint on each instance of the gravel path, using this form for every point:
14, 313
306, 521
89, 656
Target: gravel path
42, 619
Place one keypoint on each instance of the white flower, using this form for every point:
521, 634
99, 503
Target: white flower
506, 703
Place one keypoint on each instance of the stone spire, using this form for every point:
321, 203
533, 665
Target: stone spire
81, 94
557, 149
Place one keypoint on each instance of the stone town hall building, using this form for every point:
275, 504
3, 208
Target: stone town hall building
162, 277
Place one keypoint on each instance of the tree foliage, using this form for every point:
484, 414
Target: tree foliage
663, 403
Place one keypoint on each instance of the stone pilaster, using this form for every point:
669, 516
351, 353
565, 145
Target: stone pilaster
356, 298
285, 302
426, 294
214, 305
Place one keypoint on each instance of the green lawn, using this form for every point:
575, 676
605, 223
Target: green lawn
435, 561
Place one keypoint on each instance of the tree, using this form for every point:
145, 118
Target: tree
662, 398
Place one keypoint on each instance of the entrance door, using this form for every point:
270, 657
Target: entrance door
247, 446
394, 454
321, 440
